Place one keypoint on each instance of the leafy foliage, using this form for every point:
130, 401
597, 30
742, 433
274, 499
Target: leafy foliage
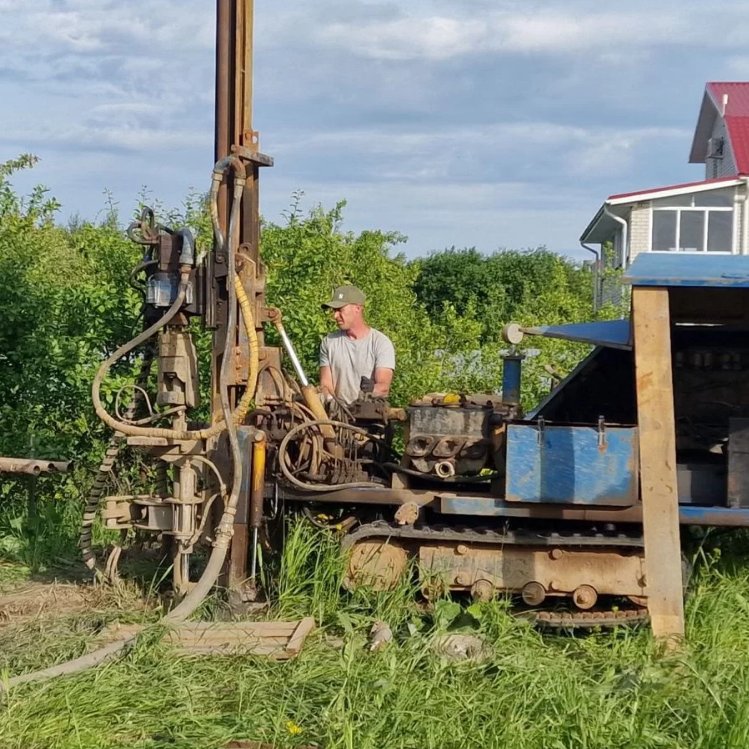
66, 303
532, 288
308, 256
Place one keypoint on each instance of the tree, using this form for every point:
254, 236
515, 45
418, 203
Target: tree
535, 287
308, 256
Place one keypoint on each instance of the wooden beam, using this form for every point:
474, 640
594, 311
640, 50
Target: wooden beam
278, 640
651, 328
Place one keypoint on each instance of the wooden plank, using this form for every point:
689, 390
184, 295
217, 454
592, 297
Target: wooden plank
269, 627
279, 640
655, 415
278, 652
300, 635
222, 629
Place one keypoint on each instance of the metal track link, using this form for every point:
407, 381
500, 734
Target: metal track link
489, 536
569, 620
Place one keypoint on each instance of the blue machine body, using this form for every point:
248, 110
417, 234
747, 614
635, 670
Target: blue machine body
571, 464
511, 371
578, 448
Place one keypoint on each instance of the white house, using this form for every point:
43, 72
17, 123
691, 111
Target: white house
707, 216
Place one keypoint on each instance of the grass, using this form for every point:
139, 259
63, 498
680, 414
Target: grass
607, 690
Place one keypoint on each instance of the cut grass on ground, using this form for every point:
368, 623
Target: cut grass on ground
604, 690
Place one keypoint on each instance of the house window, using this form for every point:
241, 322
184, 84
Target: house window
700, 222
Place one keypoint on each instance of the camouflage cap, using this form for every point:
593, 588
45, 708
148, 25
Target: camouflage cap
344, 295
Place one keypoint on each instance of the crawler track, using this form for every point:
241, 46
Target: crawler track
552, 618
483, 535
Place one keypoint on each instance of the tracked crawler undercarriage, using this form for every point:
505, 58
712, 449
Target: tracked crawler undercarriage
558, 579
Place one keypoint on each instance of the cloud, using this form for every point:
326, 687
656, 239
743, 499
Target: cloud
489, 216
442, 37
47, 39
549, 29
487, 122
475, 153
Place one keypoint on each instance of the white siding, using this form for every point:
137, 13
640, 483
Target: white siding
738, 221
726, 166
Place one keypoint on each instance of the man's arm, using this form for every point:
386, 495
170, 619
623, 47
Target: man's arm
383, 376
327, 386
326, 380
384, 366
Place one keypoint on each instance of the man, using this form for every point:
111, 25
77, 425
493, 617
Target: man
354, 351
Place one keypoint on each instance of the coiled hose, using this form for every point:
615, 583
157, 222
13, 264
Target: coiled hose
106, 467
224, 530
307, 486
237, 290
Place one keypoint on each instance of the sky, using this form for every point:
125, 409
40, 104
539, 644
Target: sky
470, 123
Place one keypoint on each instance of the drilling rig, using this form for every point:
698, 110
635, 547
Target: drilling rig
574, 509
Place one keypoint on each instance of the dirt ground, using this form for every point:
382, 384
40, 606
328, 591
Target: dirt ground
29, 599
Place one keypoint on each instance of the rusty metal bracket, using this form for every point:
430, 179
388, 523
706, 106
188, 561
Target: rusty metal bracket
255, 157
541, 427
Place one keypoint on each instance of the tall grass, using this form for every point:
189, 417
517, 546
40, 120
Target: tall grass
40, 532
604, 689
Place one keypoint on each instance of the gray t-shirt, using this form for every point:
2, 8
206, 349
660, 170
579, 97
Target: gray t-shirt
351, 359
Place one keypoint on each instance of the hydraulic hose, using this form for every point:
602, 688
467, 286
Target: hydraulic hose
320, 487
105, 468
225, 527
195, 434
236, 291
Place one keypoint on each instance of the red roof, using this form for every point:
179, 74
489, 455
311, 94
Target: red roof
736, 117
738, 97
738, 134
668, 188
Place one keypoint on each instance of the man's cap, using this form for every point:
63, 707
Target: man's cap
344, 295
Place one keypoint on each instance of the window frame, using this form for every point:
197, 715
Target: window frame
705, 211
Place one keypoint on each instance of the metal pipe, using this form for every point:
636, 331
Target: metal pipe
257, 489
289, 346
33, 467
444, 469
309, 392
187, 253
257, 484
511, 371
744, 249
597, 269
593, 250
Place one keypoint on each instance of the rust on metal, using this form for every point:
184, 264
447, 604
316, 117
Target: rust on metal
585, 597
33, 467
533, 573
376, 564
235, 135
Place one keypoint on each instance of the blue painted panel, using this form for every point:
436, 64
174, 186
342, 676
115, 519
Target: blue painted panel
681, 269
720, 516
611, 333
495, 507
572, 464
